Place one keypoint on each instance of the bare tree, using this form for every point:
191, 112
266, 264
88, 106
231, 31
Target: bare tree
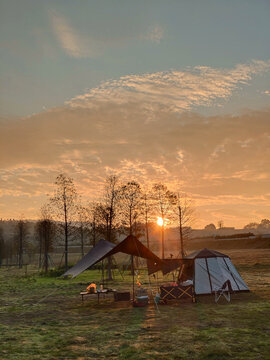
10, 249
131, 210
64, 202
2, 246
101, 214
100, 223
147, 208
220, 224
265, 224
21, 233
83, 225
210, 227
111, 198
46, 229
184, 211
92, 210
131, 205
164, 199
110, 206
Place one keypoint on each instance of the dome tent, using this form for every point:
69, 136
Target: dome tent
210, 269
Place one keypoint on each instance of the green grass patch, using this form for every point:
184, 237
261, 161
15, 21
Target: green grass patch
42, 317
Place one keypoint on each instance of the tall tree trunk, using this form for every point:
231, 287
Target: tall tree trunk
130, 233
20, 246
132, 271
109, 277
40, 251
82, 241
109, 239
94, 232
181, 232
146, 230
162, 238
46, 246
66, 237
130, 221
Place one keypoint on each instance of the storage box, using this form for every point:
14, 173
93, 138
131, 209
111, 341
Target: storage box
122, 296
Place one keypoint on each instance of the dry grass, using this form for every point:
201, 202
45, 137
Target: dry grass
61, 327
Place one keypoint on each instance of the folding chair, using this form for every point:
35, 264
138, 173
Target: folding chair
225, 290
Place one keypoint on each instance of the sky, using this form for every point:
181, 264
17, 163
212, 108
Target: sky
171, 91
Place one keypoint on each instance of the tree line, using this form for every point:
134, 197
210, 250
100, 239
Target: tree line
124, 208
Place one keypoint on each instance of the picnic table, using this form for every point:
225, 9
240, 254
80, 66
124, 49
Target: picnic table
98, 293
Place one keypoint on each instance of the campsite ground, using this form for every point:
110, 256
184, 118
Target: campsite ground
42, 317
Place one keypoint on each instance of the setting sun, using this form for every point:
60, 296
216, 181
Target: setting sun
159, 221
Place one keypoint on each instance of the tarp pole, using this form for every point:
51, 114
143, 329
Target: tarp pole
102, 273
132, 269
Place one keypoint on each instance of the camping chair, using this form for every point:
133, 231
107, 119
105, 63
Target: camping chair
225, 290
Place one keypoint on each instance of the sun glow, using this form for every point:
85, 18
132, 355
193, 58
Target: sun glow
159, 221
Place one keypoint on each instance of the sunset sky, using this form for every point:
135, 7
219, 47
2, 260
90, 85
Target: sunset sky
172, 91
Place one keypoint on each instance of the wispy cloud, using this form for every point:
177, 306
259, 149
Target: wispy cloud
218, 158
173, 90
78, 45
154, 34
74, 43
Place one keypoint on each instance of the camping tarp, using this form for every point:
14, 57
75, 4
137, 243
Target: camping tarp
132, 246
166, 266
96, 254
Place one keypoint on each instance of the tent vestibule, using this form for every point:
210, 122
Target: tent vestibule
211, 269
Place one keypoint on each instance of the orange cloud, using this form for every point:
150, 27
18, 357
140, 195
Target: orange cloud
173, 90
221, 161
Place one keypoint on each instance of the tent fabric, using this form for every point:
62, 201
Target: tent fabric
237, 282
153, 266
205, 253
132, 246
166, 265
96, 254
210, 269
201, 278
212, 272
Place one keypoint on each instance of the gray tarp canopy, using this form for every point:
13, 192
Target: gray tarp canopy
130, 245
102, 248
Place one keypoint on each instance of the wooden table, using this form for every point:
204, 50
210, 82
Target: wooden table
98, 293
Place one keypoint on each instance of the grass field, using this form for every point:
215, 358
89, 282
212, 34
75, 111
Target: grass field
42, 317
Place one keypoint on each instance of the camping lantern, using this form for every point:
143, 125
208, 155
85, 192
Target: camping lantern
92, 288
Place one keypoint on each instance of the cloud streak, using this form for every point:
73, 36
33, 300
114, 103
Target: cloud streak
176, 91
154, 34
72, 42
78, 45
221, 161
